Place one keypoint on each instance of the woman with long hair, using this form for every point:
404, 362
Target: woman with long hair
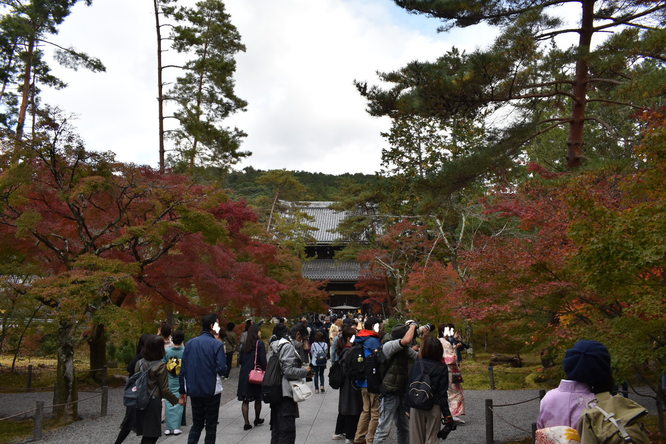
350, 401
148, 421
253, 353
425, 424
127, 424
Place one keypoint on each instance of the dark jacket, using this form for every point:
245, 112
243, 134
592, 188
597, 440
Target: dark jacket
371, 342
439, 378
204, 359
399, 359
247, 391
350, 401
158, 381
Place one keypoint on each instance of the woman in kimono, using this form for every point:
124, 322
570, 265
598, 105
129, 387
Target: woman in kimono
450, 358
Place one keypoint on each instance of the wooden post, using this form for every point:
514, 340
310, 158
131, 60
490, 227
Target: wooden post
29, 382
491, 376
534, 429
489, 421
542, 393
105, 400
105, 375
39, 421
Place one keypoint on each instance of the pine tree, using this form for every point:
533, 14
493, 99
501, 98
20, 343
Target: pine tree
26, 28
204, 94
546, 87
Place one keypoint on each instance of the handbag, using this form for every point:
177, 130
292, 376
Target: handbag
300, 390
256, 374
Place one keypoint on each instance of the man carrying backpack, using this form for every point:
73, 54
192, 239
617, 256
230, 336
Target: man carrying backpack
392, 402
204, 364
369, 340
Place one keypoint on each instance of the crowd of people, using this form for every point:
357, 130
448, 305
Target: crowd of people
405, 378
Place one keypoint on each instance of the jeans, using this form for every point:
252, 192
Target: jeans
205, 411
229, 356
318, 371
392, 408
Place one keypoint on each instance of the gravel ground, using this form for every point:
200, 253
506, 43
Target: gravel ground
92, 429
512, 422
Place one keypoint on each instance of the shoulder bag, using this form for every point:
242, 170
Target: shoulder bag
256, 374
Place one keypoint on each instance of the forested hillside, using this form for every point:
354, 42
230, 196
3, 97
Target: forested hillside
319, 186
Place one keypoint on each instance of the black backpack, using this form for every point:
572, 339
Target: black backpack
354, 364
419, 393
336, 373
271, 387
375, 369
136, 392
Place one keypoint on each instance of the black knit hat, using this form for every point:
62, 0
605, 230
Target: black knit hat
588, 362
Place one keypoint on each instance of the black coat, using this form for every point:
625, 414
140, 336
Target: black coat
350, 401
247, 391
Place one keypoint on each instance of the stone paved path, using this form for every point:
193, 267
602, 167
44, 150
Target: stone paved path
315, 425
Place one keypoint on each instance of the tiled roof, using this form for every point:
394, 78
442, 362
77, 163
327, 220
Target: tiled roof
325, 220
331, 270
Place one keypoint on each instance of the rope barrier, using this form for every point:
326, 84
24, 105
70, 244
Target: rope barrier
53, 405
6, 390
517, 403
529, 432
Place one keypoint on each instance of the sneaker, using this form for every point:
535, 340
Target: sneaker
167, 432
338, 437
316, 390
349, 441
458, 420
322, 390
177, 432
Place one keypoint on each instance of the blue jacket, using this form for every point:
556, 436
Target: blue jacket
203, 360
371, 342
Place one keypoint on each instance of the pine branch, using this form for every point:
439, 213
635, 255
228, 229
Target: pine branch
614, 102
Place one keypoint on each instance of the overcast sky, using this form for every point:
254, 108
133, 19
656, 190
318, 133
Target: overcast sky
297, 75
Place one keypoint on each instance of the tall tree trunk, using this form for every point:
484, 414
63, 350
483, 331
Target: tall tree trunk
160, 94
270, 216
33, 104
25, 90
97, 347
202, 75
65, 395
5, 320
576, 126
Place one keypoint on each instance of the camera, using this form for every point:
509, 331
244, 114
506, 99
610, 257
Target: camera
420, 330
448, 428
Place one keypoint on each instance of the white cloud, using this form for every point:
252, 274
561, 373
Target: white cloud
297, 75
